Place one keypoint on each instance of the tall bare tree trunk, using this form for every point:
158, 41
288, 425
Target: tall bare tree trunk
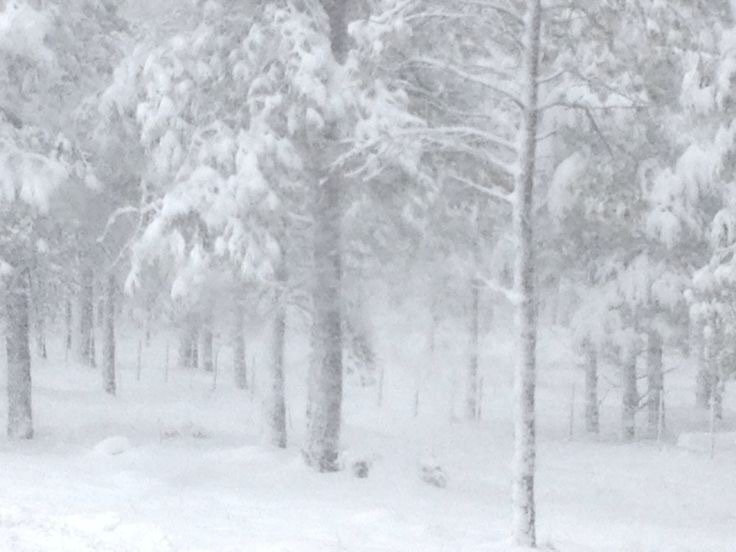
523, 500
86, 319
713, 354
592, 424
630, 396
207, 344
240, 367
108, 348
471, 391
655, 382
277, 400
39, 316
702, 379
68, 325
325, 408
20, 417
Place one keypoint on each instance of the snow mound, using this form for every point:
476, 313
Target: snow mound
113, 446
701, 442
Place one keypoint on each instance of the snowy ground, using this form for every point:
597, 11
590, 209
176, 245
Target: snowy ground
195, 476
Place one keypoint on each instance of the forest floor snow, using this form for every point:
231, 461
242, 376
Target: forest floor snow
180, 465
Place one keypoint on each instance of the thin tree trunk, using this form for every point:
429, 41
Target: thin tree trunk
207, 344
702, 379
20, 417
471, 391
714, 347
630, 396
185, 348
86, 319
39, 317
523, 501
277, 413
68, 325
655, 381
240, 367
325, 409
108, 349
592, 423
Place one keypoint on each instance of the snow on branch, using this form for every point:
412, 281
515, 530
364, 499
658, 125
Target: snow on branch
471, 77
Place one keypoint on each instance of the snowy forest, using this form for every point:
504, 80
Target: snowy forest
368, 275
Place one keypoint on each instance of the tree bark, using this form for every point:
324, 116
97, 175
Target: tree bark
20, 417
702, 379
240, 366
592, 417
86, 319
630, 396
207, 344
523, 500
108, 349
655, 382
277, 411
325, 408
68, 325
39, 317
714, 346
471, 391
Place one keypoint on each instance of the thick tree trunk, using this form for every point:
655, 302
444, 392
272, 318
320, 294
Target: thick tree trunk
325, 403
523, 501
240, 367
20, 417
592, 424
630, 395
325, 409
655, 382
86, 319
108, 349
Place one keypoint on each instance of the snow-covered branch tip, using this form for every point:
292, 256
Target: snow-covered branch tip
494, 193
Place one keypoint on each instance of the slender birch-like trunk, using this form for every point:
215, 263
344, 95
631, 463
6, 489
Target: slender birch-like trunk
523, 500
108, 348
325, 403
655, 382
592, 424
20, 417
